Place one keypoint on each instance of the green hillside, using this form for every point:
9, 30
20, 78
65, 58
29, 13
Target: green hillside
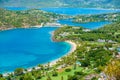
27, 18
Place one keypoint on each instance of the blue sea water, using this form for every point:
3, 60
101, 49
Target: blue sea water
29, 47
89, 25
79, 11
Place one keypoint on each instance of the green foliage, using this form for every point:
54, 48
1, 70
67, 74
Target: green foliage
26, 18
27, 77
98, 57
67, 70
113, 69
54, 73
85, 63
1, 75
74, 77
78, 73
108, 32
94, 78
18, 71
111, 17
2, 79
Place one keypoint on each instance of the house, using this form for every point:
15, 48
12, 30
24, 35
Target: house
64, 34
111, 49
76, 27
118, 56
86, 30
110, 41
61, 66
101, 40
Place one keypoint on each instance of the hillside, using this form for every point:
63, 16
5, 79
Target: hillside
96, 49
27, 18
62, 3
112, 17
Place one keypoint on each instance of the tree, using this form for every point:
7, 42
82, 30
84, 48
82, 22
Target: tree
113, 70
18, 71
1, 75
62, 78
27, 77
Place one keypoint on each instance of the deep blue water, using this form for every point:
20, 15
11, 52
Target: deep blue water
79, 11
28, 47
89, 25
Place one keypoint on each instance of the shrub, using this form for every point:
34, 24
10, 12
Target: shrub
1, 75
78, 73
67, 70
94, 78
55, 74
18, 71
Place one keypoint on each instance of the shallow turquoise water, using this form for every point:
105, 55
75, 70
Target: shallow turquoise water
28, 47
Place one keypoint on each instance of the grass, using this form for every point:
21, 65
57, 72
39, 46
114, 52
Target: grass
95, 43
64, 74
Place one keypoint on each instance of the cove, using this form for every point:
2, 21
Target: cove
29, 47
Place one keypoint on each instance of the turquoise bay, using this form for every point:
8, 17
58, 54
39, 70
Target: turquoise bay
29, 47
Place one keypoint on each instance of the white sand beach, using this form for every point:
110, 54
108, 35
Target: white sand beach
73, 48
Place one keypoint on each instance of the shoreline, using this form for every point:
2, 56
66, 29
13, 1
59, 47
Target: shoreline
52, 62
73, 48
25, 27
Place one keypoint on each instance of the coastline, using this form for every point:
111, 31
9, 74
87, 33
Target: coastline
73, 48
25, 27
52, 62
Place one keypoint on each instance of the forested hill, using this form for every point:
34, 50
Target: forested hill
27, 18
62, 3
